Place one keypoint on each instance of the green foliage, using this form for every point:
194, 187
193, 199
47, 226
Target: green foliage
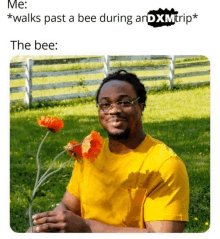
179, 118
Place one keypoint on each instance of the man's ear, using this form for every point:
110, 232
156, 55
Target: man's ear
141, 107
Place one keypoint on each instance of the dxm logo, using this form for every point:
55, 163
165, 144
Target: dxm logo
161, 17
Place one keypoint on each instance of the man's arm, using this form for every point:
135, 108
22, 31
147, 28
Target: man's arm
67, 221
151, 227
165, 226
65, 218
69, 202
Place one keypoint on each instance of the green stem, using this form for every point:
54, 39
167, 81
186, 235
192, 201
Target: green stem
30, 216
51, 173
30, 206
37, 159
44, 176
54, 160
35, 190
38, 181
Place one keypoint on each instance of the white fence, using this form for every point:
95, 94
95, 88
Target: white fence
105, 69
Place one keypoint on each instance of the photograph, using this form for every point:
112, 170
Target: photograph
109, 143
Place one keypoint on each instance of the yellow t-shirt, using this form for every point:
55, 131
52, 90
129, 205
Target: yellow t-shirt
149, 183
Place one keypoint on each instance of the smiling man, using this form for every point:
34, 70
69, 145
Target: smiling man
137, 183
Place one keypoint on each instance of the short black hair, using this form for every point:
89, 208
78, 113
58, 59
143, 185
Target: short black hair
130, 78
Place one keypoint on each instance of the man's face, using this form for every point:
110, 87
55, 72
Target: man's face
120, 122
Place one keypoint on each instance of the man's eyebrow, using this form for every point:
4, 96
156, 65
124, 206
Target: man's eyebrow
119, 97
104, 98
123, 96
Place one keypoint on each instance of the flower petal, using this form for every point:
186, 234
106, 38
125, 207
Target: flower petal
91, 146
73, 147
52, 123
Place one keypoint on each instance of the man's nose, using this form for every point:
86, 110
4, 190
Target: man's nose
115, 109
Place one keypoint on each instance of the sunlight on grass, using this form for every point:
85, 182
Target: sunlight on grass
193, 79
177, 105
160, 83
192, 69
139, 63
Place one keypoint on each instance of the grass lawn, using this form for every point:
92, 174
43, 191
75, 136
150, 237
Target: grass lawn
179, 118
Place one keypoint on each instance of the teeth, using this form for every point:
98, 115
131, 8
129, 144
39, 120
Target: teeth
116, 120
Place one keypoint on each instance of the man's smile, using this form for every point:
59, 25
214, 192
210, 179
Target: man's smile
116, 122
116, 119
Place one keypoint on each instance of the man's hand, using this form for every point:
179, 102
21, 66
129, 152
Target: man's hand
67, 221
59, 221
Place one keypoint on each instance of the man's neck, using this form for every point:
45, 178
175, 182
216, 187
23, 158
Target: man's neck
126, 145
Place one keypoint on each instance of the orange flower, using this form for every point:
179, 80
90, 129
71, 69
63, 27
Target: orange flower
91, 146
52, 123
74, 149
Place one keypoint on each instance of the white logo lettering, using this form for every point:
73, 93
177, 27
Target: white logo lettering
160, 18
150, 18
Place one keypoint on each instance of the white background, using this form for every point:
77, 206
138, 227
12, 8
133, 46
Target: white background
200, 37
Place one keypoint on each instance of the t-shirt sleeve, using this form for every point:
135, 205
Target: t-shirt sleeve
73, 185
169, 200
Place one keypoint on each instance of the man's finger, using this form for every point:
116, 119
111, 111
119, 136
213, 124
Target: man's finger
43, 220
50, 227
44, 214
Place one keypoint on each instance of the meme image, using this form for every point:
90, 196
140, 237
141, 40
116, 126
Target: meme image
110, 143
110, 118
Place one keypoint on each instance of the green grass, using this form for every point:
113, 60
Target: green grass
180, 118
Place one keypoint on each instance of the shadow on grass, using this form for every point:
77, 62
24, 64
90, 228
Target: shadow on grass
189, 138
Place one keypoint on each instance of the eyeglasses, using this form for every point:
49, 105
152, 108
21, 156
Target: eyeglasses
105, 107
